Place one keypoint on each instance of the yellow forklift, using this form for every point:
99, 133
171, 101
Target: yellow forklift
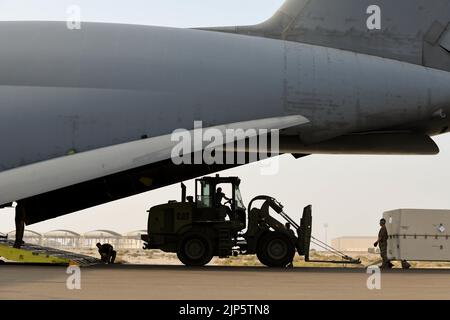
199, 228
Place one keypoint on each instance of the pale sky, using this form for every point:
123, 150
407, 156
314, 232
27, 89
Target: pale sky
350, 193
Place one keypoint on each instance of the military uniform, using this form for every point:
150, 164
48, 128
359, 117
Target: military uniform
107, 253
382, 243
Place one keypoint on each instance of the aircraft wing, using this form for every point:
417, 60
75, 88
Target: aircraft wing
46, 176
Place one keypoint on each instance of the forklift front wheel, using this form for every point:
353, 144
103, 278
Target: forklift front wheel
275, 250
195, 250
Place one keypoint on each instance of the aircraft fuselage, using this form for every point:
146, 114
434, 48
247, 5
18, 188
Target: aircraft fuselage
68, 91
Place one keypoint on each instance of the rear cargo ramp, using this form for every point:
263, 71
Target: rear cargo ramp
34, 254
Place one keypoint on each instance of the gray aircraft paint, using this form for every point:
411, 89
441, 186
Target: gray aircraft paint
105, 88
61, 172
106, 84
415, 31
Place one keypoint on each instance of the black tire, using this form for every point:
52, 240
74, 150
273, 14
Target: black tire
275, 250
195, 250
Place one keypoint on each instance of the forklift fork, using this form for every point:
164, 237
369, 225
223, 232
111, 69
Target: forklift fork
304, 236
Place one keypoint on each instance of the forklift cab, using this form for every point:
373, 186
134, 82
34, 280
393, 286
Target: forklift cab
207, 198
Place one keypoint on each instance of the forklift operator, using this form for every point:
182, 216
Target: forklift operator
219, 196
382, 243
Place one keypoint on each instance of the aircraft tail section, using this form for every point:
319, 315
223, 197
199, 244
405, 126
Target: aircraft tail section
415, 31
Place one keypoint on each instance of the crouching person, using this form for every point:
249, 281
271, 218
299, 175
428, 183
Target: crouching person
107, 253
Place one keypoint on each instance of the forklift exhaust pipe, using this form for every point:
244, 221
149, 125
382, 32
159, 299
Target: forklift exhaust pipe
183, 192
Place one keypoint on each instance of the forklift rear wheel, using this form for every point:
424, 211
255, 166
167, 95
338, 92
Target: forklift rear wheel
275, 250
195, 250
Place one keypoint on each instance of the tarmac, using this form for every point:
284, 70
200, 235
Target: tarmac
138, 282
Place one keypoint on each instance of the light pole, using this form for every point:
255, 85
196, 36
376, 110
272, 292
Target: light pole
325, 226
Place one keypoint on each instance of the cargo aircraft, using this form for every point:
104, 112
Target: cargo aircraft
87, 114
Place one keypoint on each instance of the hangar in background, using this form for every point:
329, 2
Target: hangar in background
67, 239
354, 244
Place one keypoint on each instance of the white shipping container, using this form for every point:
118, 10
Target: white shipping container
418, 234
